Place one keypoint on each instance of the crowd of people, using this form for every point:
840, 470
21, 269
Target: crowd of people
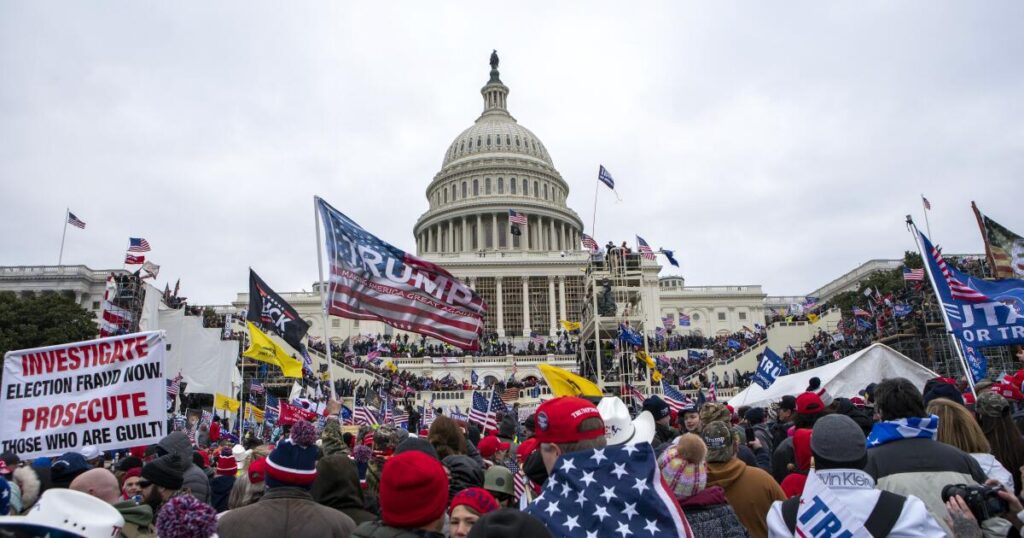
895, 459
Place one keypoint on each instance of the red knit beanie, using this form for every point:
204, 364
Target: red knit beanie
413, 490
226, 463
478, 499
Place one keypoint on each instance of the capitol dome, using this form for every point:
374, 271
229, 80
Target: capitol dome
494, 166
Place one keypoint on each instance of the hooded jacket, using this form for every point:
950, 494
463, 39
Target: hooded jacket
709, 514
195, 479
138, 519
464, 473
750, 491
220, 490
285, 511
337, 486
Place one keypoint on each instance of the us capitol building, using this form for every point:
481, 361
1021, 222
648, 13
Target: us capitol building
530, 281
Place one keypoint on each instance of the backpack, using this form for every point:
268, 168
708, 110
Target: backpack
881, 520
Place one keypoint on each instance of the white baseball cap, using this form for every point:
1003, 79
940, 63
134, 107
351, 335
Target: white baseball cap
619, 428
90, 452
70, 511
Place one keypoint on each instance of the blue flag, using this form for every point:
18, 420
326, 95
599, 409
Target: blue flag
902, 310
976, 361
733, 344
770, 368
981, 312
864, 325
670, 255
473, 377
694, 355
346, 414
605, 177
628, 335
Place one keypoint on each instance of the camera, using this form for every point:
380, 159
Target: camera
983, 501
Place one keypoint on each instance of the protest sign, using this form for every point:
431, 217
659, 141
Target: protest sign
109, 393
290, 414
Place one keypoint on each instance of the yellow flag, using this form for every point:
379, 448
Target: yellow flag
656, 376
789, 319
227, 403
813, 318
566, 383
263, 349
570, 325
390, 365
643, 357
254, 413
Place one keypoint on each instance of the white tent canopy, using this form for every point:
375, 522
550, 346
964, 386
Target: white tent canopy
843, 378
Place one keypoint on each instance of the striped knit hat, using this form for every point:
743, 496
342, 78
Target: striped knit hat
293, 462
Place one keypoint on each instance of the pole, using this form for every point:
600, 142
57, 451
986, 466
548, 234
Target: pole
67, 211
927, 225
593, 218
323, 297
945, 315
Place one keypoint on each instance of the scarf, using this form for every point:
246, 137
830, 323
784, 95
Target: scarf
904, 428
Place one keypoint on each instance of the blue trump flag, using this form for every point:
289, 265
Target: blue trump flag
980, 312
977, 362
902, 310
769, 369
630, 336
733, 344
694, 355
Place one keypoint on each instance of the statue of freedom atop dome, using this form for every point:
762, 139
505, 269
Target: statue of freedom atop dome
494, 59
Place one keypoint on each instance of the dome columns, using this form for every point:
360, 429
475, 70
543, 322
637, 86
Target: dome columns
490, 230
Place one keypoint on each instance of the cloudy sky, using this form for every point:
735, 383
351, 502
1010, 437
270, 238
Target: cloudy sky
765, 143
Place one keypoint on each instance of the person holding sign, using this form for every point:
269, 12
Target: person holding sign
840, 497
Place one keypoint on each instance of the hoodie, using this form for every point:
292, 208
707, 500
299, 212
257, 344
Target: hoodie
195, 479
337, 486
709, 514
464, 473
750, 491
220, 490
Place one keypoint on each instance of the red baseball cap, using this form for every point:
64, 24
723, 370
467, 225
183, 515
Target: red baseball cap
809, 403
489, 445
558, 420
1008, 391
526, 448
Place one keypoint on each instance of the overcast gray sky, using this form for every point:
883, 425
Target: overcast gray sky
771, 143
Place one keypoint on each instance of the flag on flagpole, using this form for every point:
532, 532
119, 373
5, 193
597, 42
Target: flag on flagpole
645, 249
151, 269
175, 385
134, 260
1004, 249
75, 221
712, 394
675, 399
926, 203
589, 243
137, 244
605, 177
670, 256
516, 217
263, 349
913, 275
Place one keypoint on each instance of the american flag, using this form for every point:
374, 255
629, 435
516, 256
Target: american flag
256, 387
668, 322
75, 221
206, 418
516, 217
912, 275
519, 480
684, 320
712, 396
860, 312
645, 249
629, 392
511, 394
611, 491
428, 414
373, 355
589, 243
137, 244
402, 290
364, 415
837, 355
483, 412
174, 385
536, 338
675, 399
272, 410
400, 417
659, 331
927, 204
957, 289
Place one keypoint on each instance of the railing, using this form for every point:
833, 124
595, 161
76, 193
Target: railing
347, 368
727, 361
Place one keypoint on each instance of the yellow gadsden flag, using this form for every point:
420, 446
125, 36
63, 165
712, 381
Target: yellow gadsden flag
227, 403
263, 349
570, 325
254, 413
566, 383
813, 318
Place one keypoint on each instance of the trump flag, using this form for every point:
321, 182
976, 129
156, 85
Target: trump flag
371, 279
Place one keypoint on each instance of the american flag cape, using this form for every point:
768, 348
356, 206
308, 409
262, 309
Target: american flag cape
611, 491
373, 280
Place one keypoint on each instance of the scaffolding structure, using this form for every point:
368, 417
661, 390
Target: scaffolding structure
614, 293
127, 302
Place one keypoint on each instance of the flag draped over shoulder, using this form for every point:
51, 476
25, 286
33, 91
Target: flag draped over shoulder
273, 313
263, 349
373, 280
611, 491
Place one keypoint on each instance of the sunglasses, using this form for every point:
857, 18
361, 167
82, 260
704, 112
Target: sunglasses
144, 483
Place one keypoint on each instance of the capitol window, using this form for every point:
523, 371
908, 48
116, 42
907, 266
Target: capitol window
536, 189
512, 185
517, 141
743, 316
476, 187
721, 316
526, 187
545, 191
446, 196
487, 186
501, 186
463, 189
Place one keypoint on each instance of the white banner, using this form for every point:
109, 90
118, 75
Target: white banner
444, 360
110, 393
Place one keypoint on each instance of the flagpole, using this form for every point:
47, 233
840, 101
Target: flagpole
593, 218
927, 225
323, 297
942, 309
60, 257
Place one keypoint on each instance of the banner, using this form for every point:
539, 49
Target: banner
290, 414
109, 393
980, 312
444, 360
769, 369
371, 279
225, 403
268, 309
